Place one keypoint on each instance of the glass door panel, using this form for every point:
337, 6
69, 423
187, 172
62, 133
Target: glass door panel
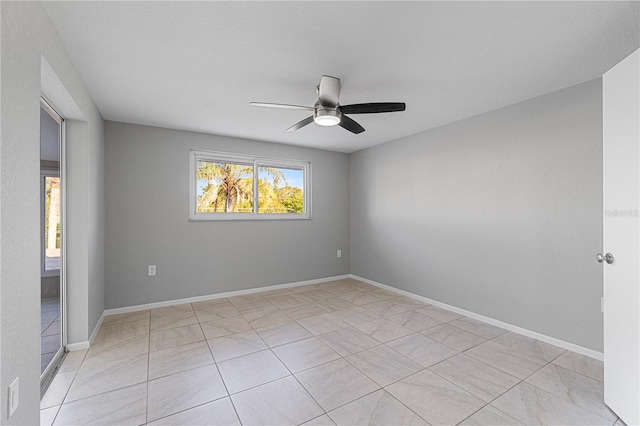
52, 328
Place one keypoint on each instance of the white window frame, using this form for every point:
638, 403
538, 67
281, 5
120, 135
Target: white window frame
196, 155
44, 173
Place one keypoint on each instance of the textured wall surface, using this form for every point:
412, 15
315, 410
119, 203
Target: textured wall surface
499, 214
147, 179
29, 40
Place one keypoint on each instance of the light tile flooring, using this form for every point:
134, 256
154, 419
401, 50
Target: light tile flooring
341, 352
49, 330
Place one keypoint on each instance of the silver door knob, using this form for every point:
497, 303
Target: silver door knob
609, 258
599, 257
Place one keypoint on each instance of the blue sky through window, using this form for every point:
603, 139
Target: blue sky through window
294, 177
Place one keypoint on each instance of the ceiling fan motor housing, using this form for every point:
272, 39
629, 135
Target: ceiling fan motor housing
325, 115
328, 112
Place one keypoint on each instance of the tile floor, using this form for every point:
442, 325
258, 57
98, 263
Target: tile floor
341, 352
49, 330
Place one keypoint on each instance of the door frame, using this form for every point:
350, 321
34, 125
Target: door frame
47, 376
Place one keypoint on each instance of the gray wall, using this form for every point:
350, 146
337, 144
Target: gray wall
499, 214
147, 221
29, 41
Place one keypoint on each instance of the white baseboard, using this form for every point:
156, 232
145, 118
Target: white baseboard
96, 328
146, 306
80, 346
534, 335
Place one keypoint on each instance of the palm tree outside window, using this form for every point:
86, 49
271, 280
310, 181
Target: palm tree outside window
240, 187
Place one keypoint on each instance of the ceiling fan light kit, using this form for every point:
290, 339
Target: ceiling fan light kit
327, 111
326, 116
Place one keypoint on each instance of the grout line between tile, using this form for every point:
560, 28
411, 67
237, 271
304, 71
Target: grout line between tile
507, 390
405, 405
306, 390
72, 380
221, 378
268, 347
546, 391
56, 415
146, 411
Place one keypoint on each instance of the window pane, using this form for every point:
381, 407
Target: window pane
280, 190
51, 223
224, 187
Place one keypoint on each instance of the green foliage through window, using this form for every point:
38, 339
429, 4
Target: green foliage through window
276, 194
224, 187
228, 186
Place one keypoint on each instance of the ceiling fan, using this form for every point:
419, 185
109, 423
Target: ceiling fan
327, 110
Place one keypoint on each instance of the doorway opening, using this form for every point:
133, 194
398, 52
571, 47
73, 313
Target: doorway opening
52, 306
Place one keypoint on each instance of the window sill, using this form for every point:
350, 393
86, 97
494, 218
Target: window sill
230, 216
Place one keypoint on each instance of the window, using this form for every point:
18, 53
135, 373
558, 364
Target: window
51, 220
226, 186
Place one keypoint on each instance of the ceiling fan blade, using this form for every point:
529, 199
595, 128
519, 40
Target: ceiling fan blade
300, 124
280, 106
372, 108
350, 125
329, 90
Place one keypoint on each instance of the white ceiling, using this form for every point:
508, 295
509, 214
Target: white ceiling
197, 65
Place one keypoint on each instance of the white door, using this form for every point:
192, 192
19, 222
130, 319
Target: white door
621, 154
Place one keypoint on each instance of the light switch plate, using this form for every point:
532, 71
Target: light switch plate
13, 399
